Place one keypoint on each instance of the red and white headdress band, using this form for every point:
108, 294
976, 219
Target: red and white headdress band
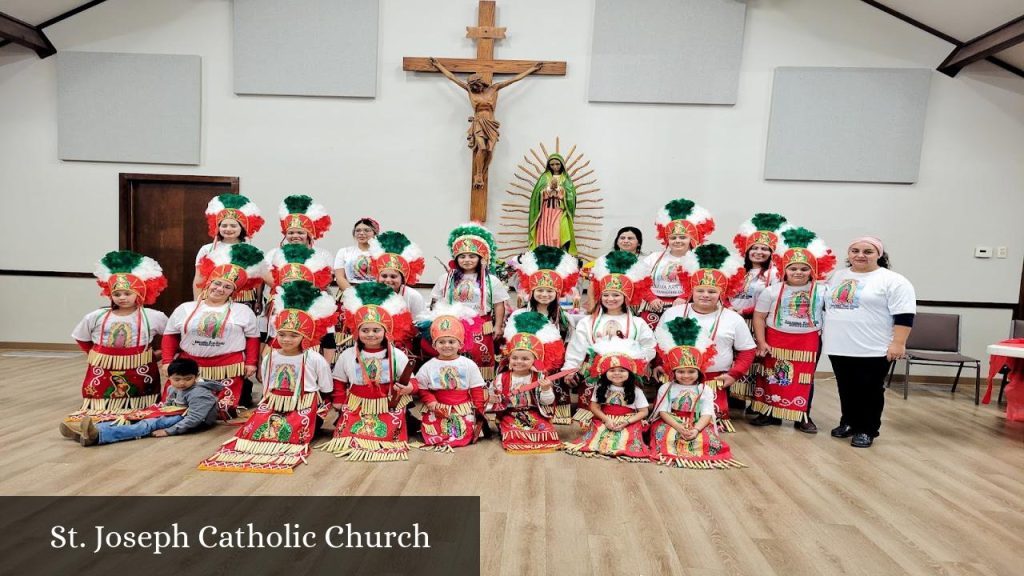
617, 353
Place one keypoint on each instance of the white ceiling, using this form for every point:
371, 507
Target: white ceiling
961, 19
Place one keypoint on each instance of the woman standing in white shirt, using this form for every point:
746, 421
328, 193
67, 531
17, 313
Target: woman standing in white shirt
868, 313
352, 264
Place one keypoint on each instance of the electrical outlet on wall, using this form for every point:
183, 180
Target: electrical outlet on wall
982, 251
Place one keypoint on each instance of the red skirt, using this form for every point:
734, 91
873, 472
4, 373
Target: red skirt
626, 444
706, 450
786, 376
457, 424
526, 430
721, 401
229, 370
117, 381
371, 426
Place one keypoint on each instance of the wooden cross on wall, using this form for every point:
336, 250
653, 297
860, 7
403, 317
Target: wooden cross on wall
483, 94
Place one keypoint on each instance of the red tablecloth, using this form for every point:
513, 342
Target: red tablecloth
1015, 380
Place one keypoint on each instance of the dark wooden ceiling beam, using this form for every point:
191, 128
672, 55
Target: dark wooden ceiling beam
988, 44
26, 35
57, 18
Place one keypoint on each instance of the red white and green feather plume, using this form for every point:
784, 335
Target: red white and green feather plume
534, 333
473, 238
682, 344
303, 308
622, 272
446, 319
376, 303
712, 265
236, 207
299, 211
548, 267
803, 245
617, 353
394, 251
241, 264
683, 216
762, 228
294, 262
126, 270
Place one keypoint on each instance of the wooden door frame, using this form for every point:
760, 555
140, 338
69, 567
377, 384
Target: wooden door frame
125, 182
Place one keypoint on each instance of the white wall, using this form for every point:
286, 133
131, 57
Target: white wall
407, 145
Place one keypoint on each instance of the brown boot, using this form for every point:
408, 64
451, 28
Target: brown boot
807, 427
68, 431
89, 435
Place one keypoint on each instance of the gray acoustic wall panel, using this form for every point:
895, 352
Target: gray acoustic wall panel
671, 51
114, 107
306, 47
847, 124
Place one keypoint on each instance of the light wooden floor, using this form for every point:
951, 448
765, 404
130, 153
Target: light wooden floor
941, 492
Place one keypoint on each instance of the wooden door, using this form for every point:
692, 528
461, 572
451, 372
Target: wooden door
162, 216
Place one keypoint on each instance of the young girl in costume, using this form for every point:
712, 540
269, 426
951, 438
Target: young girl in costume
757, 240
684, 433
522, 396
682, 226
218, 333
711, 275
787, 326
397, 262
276, 437
619, 279
121, 375
451, 387
300, 263
231, 219
469, 281
618, 405
547, 274
373, 382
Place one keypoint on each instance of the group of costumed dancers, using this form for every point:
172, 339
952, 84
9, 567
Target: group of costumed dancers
646, 372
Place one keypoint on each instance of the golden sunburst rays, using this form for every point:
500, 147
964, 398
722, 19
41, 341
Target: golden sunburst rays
515, 210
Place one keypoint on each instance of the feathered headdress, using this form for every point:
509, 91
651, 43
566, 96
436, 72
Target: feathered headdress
376, 303
534, 333
446, 320
240, 264
617, 353
299, 211
234, 207
802, 245
682, 216
300, 262
712, 265
394, 251
124, 270
681, 344
622, 272
763, 228
548, 267
473, 238
305, 309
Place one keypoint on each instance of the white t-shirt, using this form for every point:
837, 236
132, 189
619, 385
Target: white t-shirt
287, 372
754, 283
458, 374
665, 273
414, 301
607, 326
731, 333
616, 395
120, 331
859, 308
693, 398
348, 370
355, 263
204, 250
802, 312
207, 333
467, 291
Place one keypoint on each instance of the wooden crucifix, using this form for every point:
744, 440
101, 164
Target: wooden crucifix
483, 95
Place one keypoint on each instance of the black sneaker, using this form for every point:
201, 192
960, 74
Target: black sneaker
842, 431
765, 420
861, 441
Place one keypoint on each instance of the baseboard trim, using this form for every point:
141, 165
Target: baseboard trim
39, 346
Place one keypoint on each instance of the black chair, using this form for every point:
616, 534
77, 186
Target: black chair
1016, 331
935, 341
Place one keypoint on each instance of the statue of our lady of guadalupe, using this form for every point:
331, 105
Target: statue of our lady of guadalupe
553, 208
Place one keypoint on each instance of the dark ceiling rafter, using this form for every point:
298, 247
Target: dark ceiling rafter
24, 34
38, 30
988, 44
922, 26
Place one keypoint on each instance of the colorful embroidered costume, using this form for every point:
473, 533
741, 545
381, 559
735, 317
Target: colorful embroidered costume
240, 209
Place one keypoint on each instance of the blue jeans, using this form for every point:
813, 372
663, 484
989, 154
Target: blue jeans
110, 432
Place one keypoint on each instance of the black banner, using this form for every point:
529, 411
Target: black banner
194, 535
